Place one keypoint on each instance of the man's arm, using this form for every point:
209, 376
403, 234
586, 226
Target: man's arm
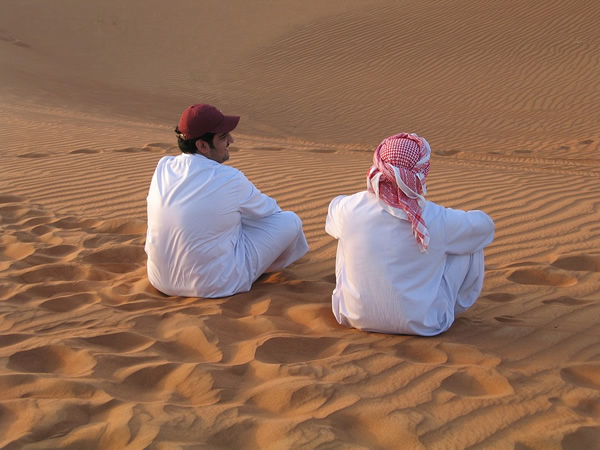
468, 231
332, 222
253, 203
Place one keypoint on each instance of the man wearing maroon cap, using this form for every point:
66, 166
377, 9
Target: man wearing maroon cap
211, 232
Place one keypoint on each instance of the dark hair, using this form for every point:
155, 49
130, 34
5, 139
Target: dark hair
189, 145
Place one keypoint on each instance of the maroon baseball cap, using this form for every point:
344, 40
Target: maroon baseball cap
201, 118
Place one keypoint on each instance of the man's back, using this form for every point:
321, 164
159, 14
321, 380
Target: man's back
211, 233
384, 281
195, 208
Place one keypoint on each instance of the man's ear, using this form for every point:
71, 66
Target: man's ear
202, 147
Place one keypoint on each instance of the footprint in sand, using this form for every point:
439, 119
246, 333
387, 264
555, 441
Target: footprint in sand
130, 150
297, 396
25, 386
580, 402
34, 155
95, 241
59, 251
542, 277
446, 152
12, 213
37, 220
148, 378
12, 339
312, 316
120, 259
184, 383
52, 254
133, 303
8, 198
14, 41
152, 149
85, 151
53, 272
477, 382
193, 341
120, 342
269, 149
286, 350
160, 147
586, 437
16, 251
67, 303
567, 301
58, 359
47, 234
10, 381
500, 297
579, 263
468, 355
321, 151
73, 223
583, 375
420, 351
131, 227
63, 272
47, 290
329, 278
508, 319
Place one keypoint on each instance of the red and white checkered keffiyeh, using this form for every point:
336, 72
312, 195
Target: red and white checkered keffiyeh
397, 177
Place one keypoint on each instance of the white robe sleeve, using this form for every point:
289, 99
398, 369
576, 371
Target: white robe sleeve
467, 231
254, 204
331, 224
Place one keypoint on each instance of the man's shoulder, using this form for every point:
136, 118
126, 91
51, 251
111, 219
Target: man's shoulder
231, 173
166, 159
350, 203
358, 196
435, 211
230, 169
198, 162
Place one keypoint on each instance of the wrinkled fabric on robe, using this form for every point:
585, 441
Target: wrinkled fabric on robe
211, 232
385, 283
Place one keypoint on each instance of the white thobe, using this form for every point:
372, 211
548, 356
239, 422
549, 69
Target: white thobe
385, 283
211, 232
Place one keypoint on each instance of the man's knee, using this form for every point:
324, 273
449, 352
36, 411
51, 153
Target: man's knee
296, 221
288, 223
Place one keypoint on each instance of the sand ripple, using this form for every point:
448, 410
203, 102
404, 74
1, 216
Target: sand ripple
92, 356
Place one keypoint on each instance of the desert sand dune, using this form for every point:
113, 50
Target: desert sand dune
92, 356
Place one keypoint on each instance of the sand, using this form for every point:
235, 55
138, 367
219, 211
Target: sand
92, 356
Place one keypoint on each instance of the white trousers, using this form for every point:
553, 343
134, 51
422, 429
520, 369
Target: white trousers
273, 243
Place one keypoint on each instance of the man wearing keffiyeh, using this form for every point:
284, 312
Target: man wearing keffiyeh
404, 265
